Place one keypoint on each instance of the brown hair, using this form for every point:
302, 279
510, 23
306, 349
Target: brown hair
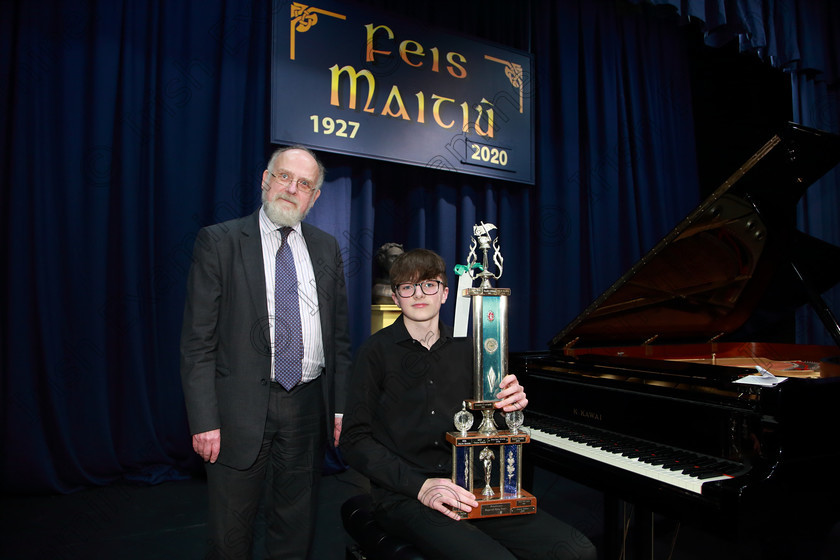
415, 265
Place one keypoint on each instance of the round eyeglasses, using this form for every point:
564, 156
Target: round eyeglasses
283, 179
428, 287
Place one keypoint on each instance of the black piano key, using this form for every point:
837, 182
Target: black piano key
659, 460
709, 474
703, 472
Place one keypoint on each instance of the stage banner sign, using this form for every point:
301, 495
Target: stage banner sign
352, 79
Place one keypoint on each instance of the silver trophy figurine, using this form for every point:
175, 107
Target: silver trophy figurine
482, 240
489, 323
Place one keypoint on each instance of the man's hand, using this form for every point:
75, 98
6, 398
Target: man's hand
208, 444
337, 428
441, 494
512, 395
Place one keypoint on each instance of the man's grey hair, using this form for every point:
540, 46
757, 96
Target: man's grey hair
321, 169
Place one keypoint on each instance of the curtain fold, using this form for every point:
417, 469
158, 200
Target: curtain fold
802, 35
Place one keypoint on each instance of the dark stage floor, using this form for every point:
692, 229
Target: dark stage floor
167, 521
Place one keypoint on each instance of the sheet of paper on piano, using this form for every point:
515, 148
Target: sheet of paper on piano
763, 378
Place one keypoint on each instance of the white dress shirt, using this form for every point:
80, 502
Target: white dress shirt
310, 318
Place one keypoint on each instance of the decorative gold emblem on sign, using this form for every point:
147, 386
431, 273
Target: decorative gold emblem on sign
514, 75
304, 18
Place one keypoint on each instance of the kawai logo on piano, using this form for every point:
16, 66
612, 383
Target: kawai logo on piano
587, 414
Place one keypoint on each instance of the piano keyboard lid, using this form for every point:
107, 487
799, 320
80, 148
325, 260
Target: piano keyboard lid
732, 265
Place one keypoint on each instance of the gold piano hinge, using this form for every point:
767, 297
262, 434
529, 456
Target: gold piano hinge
567, 348
646, 344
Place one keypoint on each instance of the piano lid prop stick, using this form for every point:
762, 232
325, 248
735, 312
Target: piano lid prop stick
462, 300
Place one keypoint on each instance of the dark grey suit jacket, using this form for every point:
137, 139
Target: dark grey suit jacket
225, 342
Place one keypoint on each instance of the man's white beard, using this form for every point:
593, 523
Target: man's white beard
280, 214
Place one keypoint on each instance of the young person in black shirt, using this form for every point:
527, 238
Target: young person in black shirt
408, 381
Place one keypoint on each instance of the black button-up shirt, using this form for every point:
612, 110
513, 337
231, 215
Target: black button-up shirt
401, 402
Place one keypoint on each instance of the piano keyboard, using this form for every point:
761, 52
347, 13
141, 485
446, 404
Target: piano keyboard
676, 467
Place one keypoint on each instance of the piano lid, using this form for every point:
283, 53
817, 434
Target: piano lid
710, 274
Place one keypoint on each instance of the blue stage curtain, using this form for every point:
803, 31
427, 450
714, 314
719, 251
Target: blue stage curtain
616, 162
816, 103
131, 124
798, 34
803, 38
127, 126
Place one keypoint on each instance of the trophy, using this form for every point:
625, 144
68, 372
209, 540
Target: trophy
499, 452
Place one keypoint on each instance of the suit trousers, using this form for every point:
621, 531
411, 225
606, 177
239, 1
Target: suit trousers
532, 536
283, 478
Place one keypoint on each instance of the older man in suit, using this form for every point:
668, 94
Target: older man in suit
264, 349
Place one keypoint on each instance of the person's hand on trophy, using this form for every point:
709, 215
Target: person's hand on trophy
441, 494
512, 396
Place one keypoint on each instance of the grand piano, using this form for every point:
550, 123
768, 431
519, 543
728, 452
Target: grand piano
679, 390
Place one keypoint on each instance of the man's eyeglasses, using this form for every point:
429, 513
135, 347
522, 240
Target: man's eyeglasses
428, 287
284, 179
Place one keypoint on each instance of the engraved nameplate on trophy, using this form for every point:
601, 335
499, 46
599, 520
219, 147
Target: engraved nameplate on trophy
488, 455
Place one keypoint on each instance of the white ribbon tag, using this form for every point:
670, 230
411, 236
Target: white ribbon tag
462, 306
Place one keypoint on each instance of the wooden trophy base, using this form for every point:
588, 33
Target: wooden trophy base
499, 505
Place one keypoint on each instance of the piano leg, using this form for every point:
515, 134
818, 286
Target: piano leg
643, 524
613, 526
627, 526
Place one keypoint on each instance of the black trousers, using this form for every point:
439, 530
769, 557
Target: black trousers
291, 456
537, 536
